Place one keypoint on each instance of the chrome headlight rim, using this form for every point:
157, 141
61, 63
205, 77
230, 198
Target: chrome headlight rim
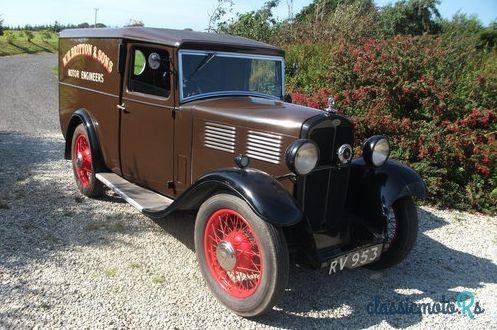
292, 154
376, 150
345, 153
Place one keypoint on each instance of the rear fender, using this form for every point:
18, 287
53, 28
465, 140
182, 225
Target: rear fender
83, 116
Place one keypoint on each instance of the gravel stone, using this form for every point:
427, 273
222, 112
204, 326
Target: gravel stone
67, 261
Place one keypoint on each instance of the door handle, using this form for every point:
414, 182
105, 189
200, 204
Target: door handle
122, 107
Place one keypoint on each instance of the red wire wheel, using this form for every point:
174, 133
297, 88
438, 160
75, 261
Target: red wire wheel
233, 253
82, 160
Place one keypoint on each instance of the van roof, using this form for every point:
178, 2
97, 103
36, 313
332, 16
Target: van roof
175, 38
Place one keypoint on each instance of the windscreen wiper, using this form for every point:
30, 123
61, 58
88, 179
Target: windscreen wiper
202, 64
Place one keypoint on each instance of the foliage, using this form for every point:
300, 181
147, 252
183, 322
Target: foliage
1, 26
8, 36
441, 121
134, 22
222, 8
255, 24
56, 27
46, 35
428, 83
410, 17
15, 42
488, 37
29, 35
353, 20
319, 10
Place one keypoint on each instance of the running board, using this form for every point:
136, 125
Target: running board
143, 199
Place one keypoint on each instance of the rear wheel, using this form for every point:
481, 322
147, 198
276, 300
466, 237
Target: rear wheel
402, 231
243, 259
82, 164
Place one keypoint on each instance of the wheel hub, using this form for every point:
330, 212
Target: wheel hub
233, 253
79, 160
226, 255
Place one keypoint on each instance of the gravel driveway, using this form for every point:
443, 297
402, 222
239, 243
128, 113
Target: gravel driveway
68, 261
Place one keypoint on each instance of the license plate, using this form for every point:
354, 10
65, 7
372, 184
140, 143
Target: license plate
356, 258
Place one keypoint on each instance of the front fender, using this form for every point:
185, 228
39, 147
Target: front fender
266, 196
372, 189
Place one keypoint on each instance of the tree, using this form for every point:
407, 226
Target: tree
413, 17
29, 35
9, 36
57, 27
1, 26
134, 22
322, 9
46, 35
488, 37
222, 8
83, 25
461, 24
256, 24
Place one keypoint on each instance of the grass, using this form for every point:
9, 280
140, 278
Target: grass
110, 272
115, 227
158, 279
458, 217
45, 305
135, 265
21, 45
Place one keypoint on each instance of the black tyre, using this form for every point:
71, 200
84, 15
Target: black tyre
82, 164
402, 232
243, 259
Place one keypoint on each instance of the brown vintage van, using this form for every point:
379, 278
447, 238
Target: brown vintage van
179, 120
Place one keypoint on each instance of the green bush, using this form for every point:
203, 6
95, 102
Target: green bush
29, 35
9, 36
434, 99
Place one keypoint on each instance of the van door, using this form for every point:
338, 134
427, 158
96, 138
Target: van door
147, 123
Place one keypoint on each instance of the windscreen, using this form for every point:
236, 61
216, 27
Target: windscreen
210, 73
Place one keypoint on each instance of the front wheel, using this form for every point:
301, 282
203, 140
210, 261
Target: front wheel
243, 259
402, 231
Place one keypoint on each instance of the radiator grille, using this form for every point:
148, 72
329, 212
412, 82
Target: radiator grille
220, 137
264, 146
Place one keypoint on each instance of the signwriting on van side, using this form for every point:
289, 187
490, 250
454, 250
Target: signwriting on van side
85, 75
88, 50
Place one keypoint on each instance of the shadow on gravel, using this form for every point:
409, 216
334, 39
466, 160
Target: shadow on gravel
41, 211
433, 271
45, 214
20, 154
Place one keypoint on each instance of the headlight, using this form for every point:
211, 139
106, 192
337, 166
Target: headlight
376, 150
302, 156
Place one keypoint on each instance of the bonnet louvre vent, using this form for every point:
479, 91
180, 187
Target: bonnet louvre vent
220, 137
264, 146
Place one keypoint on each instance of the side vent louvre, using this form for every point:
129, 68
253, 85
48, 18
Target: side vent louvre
220, 137
264, 146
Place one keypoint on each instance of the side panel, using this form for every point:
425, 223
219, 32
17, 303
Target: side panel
89, 79
216, 143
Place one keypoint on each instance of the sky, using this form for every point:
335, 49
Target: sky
178, 14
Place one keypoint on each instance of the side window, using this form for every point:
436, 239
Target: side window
149, 72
